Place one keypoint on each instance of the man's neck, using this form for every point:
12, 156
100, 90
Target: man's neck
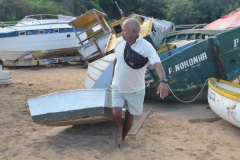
131, 42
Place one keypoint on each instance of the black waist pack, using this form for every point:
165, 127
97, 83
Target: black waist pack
134, 59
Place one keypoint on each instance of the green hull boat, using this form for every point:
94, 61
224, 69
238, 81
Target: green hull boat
215, 55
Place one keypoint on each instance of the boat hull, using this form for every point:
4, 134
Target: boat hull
71, 107
188, 70
94, 50
224, 103
19, 41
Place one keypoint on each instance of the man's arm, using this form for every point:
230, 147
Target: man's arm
162, 89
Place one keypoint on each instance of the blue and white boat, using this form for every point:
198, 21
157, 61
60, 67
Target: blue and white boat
38, 33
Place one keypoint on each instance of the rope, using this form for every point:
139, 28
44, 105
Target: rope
192, 99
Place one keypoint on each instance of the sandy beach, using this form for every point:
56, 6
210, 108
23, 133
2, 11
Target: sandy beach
170, 132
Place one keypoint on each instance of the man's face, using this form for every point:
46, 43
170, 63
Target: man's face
127, 33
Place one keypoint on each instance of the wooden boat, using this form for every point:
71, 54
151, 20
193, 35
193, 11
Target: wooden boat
93, 23
71, 107
200, 54
216, 55
152, 30
101, 37
224, 100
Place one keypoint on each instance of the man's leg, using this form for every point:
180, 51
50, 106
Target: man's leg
127, 125
117, 119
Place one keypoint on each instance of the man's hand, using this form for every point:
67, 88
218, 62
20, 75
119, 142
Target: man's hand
162, 90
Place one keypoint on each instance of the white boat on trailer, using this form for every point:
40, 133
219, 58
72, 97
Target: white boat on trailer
38, 35
224, 100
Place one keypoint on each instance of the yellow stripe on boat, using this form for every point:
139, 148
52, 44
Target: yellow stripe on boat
212, 83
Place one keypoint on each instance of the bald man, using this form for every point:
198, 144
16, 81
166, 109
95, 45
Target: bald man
128, 85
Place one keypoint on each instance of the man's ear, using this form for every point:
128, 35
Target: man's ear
134, 31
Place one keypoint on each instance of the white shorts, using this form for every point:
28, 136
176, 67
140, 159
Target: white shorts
134, 100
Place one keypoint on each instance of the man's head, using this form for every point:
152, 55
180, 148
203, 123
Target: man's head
130, 30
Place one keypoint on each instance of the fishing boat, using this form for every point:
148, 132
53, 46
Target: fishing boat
215, 55
224, 100
97, 32
38, 35
151, 29
71, 107
101, 37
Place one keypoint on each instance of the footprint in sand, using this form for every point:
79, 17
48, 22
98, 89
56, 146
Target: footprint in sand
13, 152
206, 153
212, 148
210, 132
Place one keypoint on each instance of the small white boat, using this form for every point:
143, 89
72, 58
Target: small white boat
224, 100
72, 107
38, 33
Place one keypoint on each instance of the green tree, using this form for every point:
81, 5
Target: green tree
181, 11
152, 8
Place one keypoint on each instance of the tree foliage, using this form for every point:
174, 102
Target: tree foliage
177, 11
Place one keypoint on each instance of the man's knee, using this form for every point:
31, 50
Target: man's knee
117, 111
128, 115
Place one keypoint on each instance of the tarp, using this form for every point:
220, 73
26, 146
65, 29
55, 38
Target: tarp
231, 20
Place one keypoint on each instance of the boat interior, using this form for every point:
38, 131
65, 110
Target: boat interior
226, 88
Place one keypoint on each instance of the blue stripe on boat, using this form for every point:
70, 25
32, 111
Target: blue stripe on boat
11, 34
35, 32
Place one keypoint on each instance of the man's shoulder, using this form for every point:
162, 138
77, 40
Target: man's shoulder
147, 45
119, 39
144, 41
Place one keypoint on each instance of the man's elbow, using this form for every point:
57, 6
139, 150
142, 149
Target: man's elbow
157, 65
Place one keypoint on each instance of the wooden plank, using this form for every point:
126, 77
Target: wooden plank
77, 121
137, 123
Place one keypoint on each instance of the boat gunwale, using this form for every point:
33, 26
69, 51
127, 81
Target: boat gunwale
222, 93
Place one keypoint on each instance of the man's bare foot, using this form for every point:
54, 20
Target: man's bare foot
118, 137
124, 144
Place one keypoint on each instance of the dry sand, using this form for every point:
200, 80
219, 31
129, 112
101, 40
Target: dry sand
167, 133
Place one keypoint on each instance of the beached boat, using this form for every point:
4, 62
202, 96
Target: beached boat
215, 55
71, 107
224, 100
101, 37
97, 32
151, 29
228, 21
38, 35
